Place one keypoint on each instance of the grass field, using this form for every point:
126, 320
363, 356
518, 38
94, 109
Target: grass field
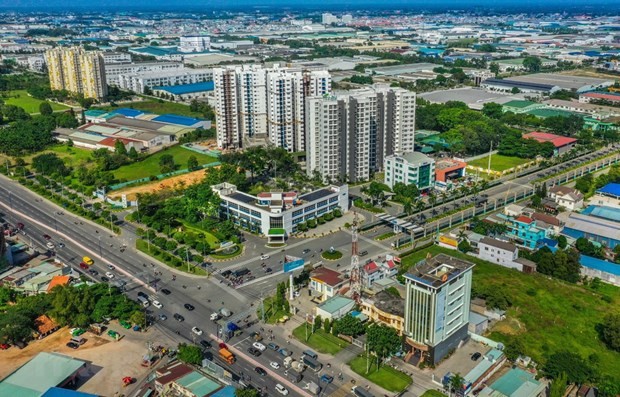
319, 341
154, 106
498, 162
143, 246
73, 156
150, 165
548, 315
386, 377
31, 105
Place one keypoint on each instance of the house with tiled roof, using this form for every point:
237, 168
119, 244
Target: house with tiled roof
371, 272
562, 144
567, 197
58, 280
45, 325
325, 283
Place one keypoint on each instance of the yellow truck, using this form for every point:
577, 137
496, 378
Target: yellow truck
227, 355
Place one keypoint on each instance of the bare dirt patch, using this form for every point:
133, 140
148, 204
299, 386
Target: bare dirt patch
173, 182
509, 326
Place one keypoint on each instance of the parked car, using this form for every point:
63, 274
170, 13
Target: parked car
142, 295
264, 257
304, 252
273, 346
50, 245
163, 317
93, 272
259, 346
197, 331
476, 356
83, 266
254, 351
189, 307
4, 346
109, 275
326, 378
111, 267
72, 345
105, 279
274, 365
285, 352
47, 237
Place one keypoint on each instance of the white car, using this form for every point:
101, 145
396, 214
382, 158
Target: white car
111, 267
259, 346
215, 316
109, 275
197, 331
281, 389
157, 304
50, 246
274, 365
296, 294
264, 257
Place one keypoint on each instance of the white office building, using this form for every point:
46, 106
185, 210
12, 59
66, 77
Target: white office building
276, 214
137, 82
254, 102
116, 57
328, 18
410, 168
349, 136
437, 306
195, 44
114, 70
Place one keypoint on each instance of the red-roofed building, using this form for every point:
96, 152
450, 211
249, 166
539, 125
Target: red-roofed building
593, 96
58, 280
524, 219
325, 283
562, 144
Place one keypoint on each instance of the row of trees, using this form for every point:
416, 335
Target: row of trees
587, 184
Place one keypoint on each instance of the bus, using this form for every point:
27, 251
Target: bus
312, 363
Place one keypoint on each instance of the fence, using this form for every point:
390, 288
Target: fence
161, 176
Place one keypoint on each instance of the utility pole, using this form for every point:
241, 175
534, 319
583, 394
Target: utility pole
490, 154
355, 280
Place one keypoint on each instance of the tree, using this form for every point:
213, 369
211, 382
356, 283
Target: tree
138, 318
190, 354
317, 322
383, 341
610, 331
49, 164
45, 109
456, 382
514, 348
247, 392
584, 183
494, 68
133, 153
348, 325
492, 110
577, 369
558, 386
327, 325
532, 64
166, 163
66, 120
192, 163
563, 242
119, 148
464, 246
15, 326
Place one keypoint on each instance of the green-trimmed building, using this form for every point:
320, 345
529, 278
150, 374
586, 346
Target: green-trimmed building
519, 107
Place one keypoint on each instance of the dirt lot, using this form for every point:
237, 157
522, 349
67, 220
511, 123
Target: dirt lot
590, 73
110, 361
186, 179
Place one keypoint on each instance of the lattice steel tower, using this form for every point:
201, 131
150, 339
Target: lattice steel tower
356, 276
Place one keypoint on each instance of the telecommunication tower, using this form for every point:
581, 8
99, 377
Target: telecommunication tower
356, 277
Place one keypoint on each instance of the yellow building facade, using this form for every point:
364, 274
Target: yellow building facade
77, 71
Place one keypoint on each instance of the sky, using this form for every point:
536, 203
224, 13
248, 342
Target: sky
119, 5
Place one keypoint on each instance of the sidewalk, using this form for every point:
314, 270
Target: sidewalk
333, 226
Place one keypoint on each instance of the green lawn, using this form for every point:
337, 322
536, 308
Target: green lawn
154, 106
498, 162
548, 315
386, 377
31, 105
73, 156
150, 165
320, 341
209, 238
433, 393
155, 252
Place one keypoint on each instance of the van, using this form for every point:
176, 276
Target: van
145, 302
310, 353
293, 376
78, 339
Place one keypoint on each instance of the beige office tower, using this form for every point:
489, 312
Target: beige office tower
77, 71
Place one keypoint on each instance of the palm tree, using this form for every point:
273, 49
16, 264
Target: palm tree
432, 200
456, 382
408, 205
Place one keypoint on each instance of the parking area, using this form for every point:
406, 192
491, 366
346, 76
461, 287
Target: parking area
461, 361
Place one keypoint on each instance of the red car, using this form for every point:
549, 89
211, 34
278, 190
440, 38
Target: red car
83, 265
4, 346
47, 237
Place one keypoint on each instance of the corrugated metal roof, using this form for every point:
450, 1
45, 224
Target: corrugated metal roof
198, 384
88, 137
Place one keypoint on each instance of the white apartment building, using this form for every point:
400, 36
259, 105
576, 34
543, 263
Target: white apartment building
409, 168
266, 103
116, 57
195, 44
349, 136
137, 82
114, 70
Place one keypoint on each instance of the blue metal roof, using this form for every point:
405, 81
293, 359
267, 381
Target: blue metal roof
188, 88
176, 119
127, 112
611, 189
60, 392
599, 264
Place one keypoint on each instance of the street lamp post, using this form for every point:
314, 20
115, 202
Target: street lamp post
100, 252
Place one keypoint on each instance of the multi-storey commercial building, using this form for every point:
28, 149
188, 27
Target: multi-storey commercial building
253, 102
349, 136
437, 306
114, 70
116, 57
138, 82
277, 214
410, 168
77, 71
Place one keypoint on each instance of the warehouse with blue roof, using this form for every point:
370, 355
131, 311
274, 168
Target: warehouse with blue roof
185, 92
